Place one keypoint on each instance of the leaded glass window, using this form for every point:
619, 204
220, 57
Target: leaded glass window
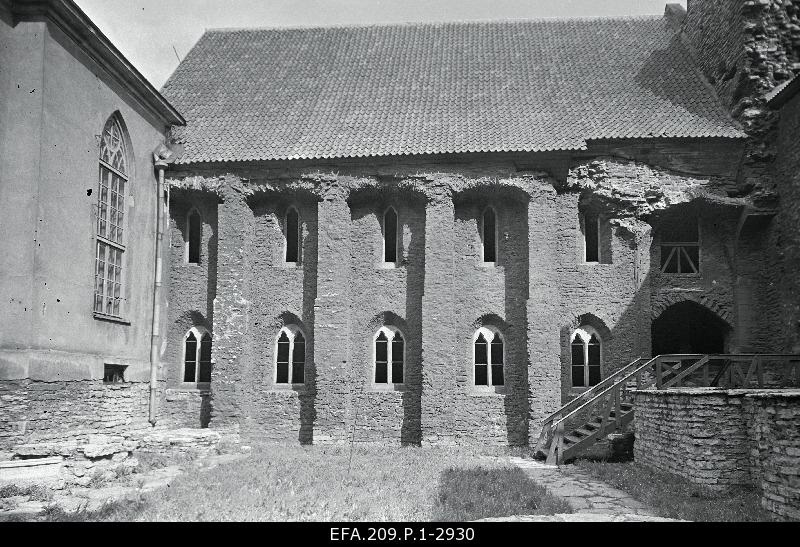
112, 186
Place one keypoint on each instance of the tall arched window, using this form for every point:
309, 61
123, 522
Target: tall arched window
489, 235
390, 235
586, 357
194, 236
113, 180
290, 356
292, 235
488, 357
390, 356
197, 356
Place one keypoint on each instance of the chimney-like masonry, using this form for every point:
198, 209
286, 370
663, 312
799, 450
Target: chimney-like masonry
745, 48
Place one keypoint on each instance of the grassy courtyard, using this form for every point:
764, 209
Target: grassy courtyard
284, 482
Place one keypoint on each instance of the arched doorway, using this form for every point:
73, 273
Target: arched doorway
688, 327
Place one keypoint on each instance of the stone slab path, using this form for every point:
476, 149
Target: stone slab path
591, 499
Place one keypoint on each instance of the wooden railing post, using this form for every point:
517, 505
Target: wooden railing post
659, 379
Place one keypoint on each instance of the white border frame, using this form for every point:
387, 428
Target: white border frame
586, 332
199, 332
291, 332
389, 331
488, 332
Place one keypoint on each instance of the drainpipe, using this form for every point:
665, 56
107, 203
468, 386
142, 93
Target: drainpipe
161, 166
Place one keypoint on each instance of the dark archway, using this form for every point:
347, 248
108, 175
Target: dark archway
688, 327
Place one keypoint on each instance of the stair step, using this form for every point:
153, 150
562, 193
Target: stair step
572, 439
584, 432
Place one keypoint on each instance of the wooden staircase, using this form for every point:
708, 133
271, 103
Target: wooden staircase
608, 406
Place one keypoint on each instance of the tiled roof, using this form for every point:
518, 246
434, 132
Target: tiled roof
529, 85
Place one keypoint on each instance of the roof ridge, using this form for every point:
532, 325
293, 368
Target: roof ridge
585, 18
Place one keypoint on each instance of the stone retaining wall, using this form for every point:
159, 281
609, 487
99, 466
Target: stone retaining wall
725, 438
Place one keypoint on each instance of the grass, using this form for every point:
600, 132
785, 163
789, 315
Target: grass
673, 497
283, 482
481, 492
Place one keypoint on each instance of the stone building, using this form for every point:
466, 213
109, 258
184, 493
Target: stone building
419, 233
78, 201
504, 211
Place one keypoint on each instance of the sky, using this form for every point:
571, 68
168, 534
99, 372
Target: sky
154, 34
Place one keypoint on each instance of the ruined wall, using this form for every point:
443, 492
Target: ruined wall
53, 412
281, 294
785, 235
191, 290
725, 438
440, 292
775, 450
698, 433
746, 48
386, 295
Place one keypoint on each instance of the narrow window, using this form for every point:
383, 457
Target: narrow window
381, 359
578, 362
390, 356
680, 245
299, 359
390, 235
194, 237
204, 375
593, 361
197, 356
586, 357
489, 358
290, 357
190, 358
283, 359
113, 180
398, 358
591, 234
113, 374
489, 235
292, 235
497, 360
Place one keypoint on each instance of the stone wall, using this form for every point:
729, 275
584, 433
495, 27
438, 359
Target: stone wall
698, 434
440, 291
191, 289
775, 450
725, 438
785, 236
746, 48
49, 412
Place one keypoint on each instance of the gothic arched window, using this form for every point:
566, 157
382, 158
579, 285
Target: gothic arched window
390, 356
585, 347
112, 186
488, 357
197, 356
290, 356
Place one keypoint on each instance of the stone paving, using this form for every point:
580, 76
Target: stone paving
592, 500
78, 499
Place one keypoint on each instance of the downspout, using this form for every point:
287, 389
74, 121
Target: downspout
161, 166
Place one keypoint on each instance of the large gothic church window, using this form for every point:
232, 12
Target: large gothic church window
110, 249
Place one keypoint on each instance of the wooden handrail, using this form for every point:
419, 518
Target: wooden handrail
582, 396
602, 393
